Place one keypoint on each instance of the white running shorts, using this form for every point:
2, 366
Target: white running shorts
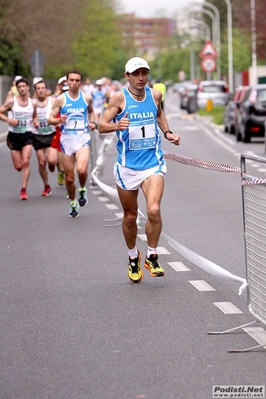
130, 179
71, 143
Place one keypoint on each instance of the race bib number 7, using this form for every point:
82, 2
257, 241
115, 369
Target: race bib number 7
75, 124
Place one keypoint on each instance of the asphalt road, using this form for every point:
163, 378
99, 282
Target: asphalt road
74, 327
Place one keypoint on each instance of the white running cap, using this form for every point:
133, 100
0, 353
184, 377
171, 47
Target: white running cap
99, 82
17, 78
135, 63
61, 80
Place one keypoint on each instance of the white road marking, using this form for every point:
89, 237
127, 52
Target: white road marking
201, 285
227, 307
103, 199
162, 251
257, 333
143, 237
119, 215
179, 266
111, 206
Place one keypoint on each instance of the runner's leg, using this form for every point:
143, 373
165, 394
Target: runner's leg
26, 154
69, 169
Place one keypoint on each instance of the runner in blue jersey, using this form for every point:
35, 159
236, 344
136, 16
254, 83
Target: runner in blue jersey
135, 113
77, 119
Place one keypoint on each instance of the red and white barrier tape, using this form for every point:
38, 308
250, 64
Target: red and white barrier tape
199, 163
250, 182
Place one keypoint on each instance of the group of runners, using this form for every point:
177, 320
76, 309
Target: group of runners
28, 127
134, 112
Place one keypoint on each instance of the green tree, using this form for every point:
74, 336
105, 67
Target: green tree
241, 52
94, 47
11, 60
171, 62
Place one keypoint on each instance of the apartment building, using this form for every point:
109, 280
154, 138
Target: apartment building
149, 35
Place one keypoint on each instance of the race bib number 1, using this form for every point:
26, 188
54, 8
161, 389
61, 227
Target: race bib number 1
142, 137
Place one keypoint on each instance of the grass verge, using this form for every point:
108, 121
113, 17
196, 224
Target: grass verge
217, 114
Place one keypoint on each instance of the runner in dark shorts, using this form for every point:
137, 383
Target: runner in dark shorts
16, 141
20, 114
43, 135
40, 142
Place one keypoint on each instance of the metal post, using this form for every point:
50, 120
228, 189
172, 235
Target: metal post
212, 16
253, 42
192, 67
230, 45
214, 33
206, 26
217, 14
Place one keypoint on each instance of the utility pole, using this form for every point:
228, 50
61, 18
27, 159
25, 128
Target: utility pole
253, 43
230, 45
217, 14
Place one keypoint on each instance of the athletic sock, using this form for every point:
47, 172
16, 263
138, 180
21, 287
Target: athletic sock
151, 251
133, 253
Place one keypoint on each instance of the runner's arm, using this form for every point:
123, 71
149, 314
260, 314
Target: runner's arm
7, 106
116, 104
34, 115
53, 119
92, 124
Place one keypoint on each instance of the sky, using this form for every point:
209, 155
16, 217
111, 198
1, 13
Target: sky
154, 8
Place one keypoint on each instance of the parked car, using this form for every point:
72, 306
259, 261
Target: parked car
188, 91
251, 115
178, 87
215, 90
237, 108
231, 108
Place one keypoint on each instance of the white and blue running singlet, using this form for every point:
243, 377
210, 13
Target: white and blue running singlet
98, 98
77, 115
139, 146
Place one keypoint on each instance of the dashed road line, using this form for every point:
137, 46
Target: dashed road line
201, 285
227, 307
103, 199
111, 206
143, 237
179, 266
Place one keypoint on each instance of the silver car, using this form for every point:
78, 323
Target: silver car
214, 90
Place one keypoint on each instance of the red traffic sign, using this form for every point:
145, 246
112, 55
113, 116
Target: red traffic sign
208, 49
208, 64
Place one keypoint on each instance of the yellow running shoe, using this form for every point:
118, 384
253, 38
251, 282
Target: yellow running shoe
61, 178
135, 274
154, 266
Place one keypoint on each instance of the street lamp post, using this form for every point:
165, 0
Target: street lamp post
217, 14
230, 45
253, 42
214, 25
207, 36
206, 26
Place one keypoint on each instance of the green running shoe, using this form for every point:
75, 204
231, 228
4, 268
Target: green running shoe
82, 196
74, 209
154, 266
